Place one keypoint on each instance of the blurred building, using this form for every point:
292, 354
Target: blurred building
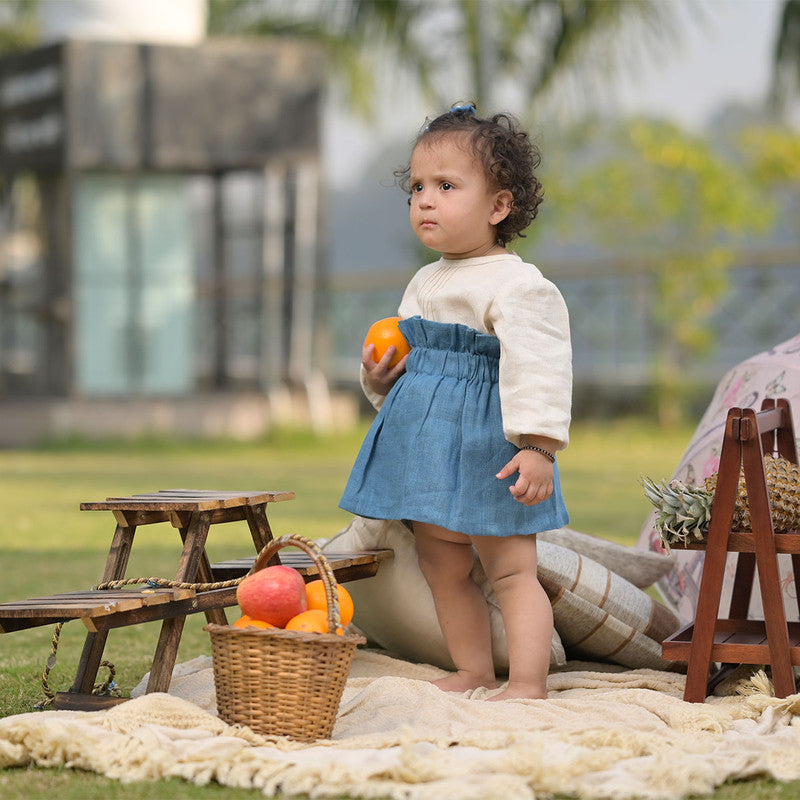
160, 229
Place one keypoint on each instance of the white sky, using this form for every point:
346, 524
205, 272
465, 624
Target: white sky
727, 59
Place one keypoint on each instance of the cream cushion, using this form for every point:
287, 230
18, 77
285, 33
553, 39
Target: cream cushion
598, 614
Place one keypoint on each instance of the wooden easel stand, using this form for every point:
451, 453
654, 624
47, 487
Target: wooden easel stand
773, 641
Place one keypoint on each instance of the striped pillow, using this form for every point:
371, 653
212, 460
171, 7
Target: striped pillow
600, 615
641, 567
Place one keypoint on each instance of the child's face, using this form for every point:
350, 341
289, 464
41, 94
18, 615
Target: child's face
454, 210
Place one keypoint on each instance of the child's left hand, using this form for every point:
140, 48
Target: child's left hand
535, 482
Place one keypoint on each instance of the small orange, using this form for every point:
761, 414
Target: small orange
248, 622
315, 590
313, 621
383, 333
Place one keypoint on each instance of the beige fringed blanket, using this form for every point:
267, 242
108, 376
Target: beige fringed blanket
601, 734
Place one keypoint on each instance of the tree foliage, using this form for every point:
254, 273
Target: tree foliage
666, 201
774, 153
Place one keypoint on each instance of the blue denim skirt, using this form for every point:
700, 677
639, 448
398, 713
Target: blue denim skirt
432, 452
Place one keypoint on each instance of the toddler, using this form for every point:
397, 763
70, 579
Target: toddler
469, 422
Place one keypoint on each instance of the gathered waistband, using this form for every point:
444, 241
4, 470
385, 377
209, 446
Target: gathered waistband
450, 349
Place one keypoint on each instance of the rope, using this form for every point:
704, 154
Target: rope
49, 695
109, 687
163, 583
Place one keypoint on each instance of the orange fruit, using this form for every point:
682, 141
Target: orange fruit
383, 333
248, 622
315, 590
313, 621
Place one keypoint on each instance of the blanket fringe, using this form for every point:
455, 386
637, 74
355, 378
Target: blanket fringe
759, 690
758, 683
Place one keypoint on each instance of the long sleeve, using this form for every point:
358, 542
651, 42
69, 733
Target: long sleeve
532, 324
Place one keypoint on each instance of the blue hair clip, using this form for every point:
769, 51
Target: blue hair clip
467, 109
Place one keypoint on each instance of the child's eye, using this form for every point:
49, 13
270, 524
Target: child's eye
446, 186
417, 187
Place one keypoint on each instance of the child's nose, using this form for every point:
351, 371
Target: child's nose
424, 199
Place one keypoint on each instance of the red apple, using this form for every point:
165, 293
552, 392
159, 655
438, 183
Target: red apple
273, 594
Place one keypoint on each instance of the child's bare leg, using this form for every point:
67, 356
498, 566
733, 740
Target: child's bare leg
446, 560
510, 564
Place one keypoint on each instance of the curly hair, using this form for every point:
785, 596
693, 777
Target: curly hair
507, 154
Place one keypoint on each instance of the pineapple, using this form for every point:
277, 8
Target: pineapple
683, 512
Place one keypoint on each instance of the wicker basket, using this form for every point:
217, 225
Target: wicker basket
278, 682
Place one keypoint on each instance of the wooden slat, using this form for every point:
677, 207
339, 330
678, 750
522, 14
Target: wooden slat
735, 641
10, 625
77, 701
769, 419
91, 603
186, 500
740, 542
131, 519
201, 602
345, 566
297, 559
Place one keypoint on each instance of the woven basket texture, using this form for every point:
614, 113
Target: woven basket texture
279, 682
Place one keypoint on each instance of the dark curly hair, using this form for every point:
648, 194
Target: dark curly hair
508, 156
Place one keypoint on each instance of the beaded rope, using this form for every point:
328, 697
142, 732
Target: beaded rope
546, 453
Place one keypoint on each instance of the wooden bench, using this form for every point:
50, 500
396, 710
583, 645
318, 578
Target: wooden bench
345, 566
738, 639
192, 513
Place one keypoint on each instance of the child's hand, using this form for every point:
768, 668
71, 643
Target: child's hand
379, 376
535, 482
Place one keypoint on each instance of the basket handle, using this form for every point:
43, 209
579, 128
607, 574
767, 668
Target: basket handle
318, 557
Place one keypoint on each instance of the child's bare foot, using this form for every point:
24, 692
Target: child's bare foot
464, 682
522, 691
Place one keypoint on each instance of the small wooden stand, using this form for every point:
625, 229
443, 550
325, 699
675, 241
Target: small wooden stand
737, 639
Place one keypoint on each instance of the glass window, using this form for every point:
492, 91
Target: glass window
133, 285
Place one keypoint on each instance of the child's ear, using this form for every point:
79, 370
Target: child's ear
501, 208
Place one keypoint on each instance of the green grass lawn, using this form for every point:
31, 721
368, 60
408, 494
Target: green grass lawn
48, 545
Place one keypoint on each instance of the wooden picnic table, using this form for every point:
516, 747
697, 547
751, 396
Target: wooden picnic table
192, 513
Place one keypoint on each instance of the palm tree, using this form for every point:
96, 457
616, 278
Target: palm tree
530, 48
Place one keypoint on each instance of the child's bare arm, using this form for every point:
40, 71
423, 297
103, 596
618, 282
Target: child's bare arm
378, 375
535, 481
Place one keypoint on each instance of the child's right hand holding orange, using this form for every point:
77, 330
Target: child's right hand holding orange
380, 377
